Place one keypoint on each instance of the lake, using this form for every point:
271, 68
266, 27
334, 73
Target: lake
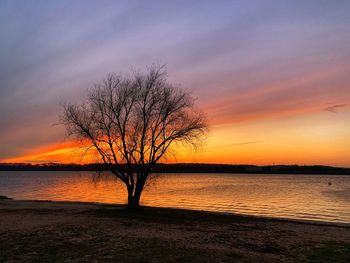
307, 197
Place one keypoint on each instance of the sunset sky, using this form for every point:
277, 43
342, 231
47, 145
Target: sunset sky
273, 77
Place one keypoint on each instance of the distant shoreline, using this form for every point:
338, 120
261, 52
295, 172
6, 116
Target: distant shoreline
188, 168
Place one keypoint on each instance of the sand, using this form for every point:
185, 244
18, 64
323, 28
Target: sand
43, 231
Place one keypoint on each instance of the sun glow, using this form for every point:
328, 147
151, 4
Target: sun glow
69, 152
316, 138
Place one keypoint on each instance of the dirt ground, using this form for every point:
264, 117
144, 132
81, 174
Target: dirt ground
38, 231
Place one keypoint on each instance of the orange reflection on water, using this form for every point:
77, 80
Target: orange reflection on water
291, 196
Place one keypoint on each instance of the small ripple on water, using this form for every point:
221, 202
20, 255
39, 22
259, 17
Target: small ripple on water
291, 196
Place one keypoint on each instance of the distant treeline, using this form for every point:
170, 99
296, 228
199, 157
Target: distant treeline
186, 168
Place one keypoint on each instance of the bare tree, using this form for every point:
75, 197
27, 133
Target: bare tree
132, 122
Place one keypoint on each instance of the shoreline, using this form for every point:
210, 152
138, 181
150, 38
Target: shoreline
56, 231
101, 205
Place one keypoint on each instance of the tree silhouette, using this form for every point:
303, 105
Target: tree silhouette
132, 121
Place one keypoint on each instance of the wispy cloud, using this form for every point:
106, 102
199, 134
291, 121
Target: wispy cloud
245, 143
238, 144
336, 108
295, 95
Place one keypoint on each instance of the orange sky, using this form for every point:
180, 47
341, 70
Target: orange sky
313, 138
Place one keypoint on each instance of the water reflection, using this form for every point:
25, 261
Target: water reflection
292, 196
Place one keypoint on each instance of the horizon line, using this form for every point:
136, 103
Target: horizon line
179, 163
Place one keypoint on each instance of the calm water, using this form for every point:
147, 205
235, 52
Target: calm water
290, 196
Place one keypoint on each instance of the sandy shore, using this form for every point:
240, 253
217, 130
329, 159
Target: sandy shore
39, 231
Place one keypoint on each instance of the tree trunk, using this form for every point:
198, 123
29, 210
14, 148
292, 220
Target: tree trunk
133, 201
134, 197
